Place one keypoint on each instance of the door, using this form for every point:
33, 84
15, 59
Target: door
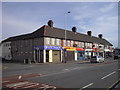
70, 56
47, 55
56, 56
80, 55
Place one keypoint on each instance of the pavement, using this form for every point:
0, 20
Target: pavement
73, 75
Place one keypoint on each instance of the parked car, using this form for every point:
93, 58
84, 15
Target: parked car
97, 59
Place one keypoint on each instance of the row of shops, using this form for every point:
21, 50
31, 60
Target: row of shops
58, 53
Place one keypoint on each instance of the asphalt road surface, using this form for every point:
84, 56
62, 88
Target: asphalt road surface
78, 75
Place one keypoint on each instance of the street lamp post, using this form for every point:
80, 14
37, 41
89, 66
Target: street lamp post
65, 24
65, 19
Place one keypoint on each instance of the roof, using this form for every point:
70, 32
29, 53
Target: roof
60, 33
48, 31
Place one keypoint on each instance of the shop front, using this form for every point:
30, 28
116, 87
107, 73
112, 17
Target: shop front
68, 53
96, 51
47, 54
80, 53
88, 53
108, 53
101, 53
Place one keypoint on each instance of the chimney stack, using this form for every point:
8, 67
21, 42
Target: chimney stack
74, 29
100, 35
89, 33
50, 23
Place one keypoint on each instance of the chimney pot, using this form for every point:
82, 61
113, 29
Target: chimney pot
89, 33
50, 23
100, 35
74, 29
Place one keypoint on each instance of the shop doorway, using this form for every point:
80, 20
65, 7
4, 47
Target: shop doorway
47, 55
56, 56
80, 55
70, 56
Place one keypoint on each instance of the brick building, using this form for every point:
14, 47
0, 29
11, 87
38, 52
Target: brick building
48, 44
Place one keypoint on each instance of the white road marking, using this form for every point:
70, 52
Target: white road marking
72, 68
31, 86
66, 69
108, 75
63, 71
88, 85
5, 81
25, 85
54, 73
16, 84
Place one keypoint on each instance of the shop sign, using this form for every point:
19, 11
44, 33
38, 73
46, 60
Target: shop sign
49, 47
101, 50
88, 49
79, 49
69, 48
53, 47
96, 50
107, 50
111, 50
38, 47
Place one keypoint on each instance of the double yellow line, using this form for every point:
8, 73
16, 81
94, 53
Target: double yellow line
113, 85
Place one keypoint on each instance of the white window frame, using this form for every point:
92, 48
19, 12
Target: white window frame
72, 43
57, 41
68, 43
64, 42
47, 40
53, 41
83, 44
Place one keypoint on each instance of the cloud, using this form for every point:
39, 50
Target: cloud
107, 8
99, 19
12, 26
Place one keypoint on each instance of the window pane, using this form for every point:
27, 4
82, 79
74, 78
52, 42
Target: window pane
47, 40
72, 43
64, 42
53, 41
57, 42
68, 42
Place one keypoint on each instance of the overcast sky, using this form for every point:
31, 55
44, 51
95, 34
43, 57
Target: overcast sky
25, 17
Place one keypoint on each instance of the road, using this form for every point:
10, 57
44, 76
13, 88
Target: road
77, 75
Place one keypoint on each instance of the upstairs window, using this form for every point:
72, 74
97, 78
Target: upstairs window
47, 40
53, 41
79, 44
72, 43
57, 41
64, 42
83, 44
68, 43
